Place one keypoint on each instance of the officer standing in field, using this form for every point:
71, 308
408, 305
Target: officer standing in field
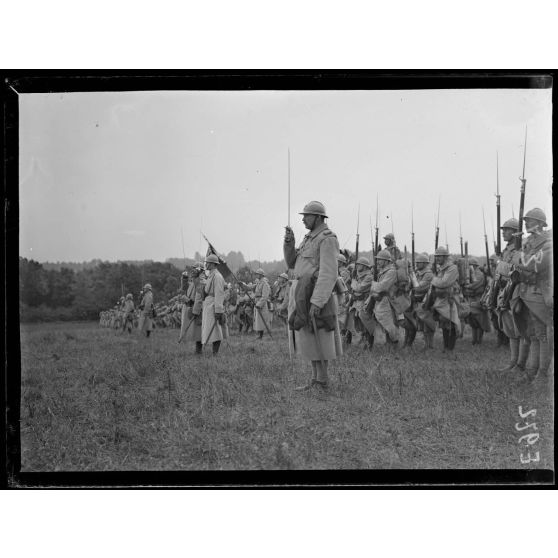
533, 301
146, 308
128, 310
191, 323
391, 247
445, 291
262, 316
519, 346
213, 314
383, 292
315, 269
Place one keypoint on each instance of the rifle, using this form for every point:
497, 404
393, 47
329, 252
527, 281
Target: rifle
436, 237
376, 243
289, 188
412, 240
460, 236
519, 233
489, 271
357, 235
498, 244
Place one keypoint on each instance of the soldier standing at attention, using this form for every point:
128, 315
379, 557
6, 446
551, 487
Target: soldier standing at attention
314, 262
192, 318
360, 285
382, 291
261, 311
391, 247
346, 319
478, 319
282, 296
128, 320
519, 346
424, 319
146, 307
533, 299
446, 297
213, 314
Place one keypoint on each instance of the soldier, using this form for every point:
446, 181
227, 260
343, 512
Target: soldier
424, 318
382, 292
533, 301
315, 270
519, 346
445, 292
478, 318
401, 300
128, 320
192, 311
360, 286
282, 296
346, 317
261, 312
213, 314
391, 247
146, 307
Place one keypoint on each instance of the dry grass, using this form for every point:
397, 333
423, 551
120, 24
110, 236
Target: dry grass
95, 400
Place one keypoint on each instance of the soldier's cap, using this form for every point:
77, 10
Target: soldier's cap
147, 287
284, 276
537, 214
364, 261
389, 235
212, 258
421, 258
314, 208
259, 271
511, 224
384, 255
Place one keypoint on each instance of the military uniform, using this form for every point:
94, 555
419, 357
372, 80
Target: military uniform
214, 297
128, 310
146, 316
532, 301
192, 313
262, 314
478, 318
384, 290
446, 307
424, 320
363, 321
316, 255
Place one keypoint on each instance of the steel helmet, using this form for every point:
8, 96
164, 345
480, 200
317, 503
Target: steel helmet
511, 224
441, 251
341, 258
473, 261
147, 287
494, 257
364, 261
383, 255
389, 235
212, 258
122, 298
537, 214
259, 271
284, 276
421, 258
184, 274
129, 296
314, 208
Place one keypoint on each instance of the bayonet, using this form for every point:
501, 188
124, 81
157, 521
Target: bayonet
489, 271
412, 239
460, 236
519, 233
498, 245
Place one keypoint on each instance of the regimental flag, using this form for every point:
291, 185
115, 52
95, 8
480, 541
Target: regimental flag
222, 265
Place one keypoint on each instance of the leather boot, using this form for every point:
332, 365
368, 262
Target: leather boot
452, 338
216, 345
480, 334
544, 357
445, 337
429, 339
514, 354
534, 359
475, 335
411, 338
199, 347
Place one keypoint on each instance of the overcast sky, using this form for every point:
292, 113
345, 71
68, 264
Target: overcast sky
117, 176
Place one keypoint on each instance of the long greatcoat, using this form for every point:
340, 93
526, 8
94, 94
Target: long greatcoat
446, 303
214, 302
261, 312
146, 320
192, 312
317, 254
384, 312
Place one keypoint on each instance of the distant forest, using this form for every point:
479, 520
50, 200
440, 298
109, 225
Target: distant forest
79, 291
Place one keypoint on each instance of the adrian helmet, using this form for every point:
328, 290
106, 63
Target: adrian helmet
284, 276
147, 287
421, 258
384, 255
259, 271
511, 224
390, 236
314, 208
441, 251
129, 296
341, 258
212, 258
473, 261
364, 261
537, 214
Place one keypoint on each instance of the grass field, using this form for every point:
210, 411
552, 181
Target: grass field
96, 400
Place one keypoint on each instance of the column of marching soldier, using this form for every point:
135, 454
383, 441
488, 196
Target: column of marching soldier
326, 299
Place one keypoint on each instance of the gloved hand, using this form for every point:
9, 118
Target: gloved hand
289, 235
